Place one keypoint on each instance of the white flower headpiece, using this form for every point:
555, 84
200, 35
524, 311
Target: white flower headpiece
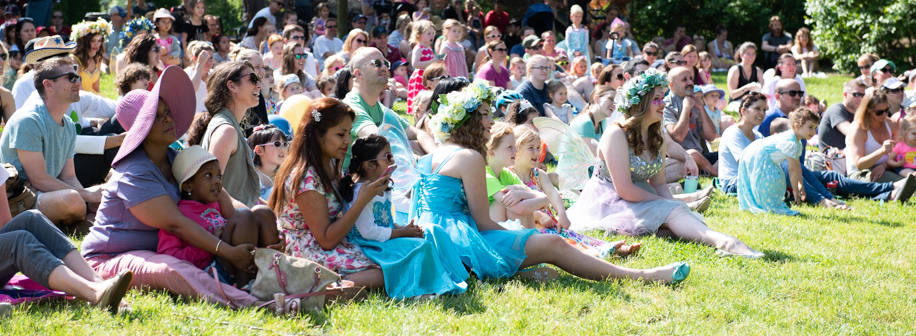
453, 108
524, 105
86, 28
631, 92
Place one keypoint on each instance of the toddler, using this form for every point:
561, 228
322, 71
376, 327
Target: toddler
903, 156
558, 108
577, 34
711, 96
289, 86
422, 55
326, 85
452, 51
269, 145
517, 71
399, 71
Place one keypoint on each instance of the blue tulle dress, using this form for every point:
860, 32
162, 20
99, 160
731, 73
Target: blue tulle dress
440, 200
761, 182
411, 266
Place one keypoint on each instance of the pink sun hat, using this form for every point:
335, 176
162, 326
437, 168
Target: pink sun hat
136, 111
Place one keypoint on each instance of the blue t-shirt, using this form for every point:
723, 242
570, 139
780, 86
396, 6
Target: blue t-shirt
731, 147
534, 96
135, 180
772, 114
518, 49
33, 129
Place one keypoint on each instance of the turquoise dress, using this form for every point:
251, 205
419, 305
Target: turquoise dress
761, 182
441, 201
411, 266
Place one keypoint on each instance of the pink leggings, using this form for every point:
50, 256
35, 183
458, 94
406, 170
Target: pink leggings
159, 271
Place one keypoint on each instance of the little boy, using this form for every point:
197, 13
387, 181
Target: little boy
399, 69
711, 96
517, 69
326, 85
289, 86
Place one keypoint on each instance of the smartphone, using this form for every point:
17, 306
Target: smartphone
390, 170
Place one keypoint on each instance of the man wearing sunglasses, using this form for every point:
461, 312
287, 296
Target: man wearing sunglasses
39, 140
836, 120
370, 80
380, 41
295, 33
327, 44
788, 98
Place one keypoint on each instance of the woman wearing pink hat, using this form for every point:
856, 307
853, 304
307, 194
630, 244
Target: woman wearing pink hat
141, 198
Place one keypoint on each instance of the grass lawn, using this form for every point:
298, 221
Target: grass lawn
827, 272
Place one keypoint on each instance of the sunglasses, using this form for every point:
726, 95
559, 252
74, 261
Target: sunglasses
301, 56
3, 57
277, 144
155, 49
251, 77
563, 63
360, 41
331, 27
57, 16
881, 112
495, 36
297, 37
388, 156
679, 62
865, 67
502, 50
537, 47
440, 77
545, 68
653, 53
337, 68
72, 77
619, 77
793, 93
887, 70
377, 63
897, 90
858, 95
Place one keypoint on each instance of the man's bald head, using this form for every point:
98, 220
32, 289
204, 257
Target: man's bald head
681, 81
788, 94
364, 55
366, 75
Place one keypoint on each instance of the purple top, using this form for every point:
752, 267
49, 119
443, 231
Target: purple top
116, 230
487, 72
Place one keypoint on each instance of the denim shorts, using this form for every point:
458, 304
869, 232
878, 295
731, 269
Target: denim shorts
221, 272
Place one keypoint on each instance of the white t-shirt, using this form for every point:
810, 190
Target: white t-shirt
365, 223
264, 12
201, 94
248, 42
324, 45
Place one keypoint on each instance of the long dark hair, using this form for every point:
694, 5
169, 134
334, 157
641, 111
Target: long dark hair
218, 95
365, 150
343, 82
305, 152
84, 47
139, 48
289, 61
256, 26
444, 86
19, 42
261, 135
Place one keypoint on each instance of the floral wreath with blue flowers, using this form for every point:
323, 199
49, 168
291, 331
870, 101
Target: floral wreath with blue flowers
632, 92
132, 27
453, 108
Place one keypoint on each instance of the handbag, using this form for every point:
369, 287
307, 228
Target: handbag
20, 194
297, 278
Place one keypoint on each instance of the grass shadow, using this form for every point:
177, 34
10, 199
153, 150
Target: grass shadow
881, 222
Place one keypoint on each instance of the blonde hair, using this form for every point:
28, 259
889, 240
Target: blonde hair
906, 123
576, 9
525, 133
499, 130
534, 59
452, 23
419, 27
516, 60
872, 98
333, 59
349, 42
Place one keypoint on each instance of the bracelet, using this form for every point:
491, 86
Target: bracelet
217, 246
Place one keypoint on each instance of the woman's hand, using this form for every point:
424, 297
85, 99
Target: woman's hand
750, 86
240, 256
888, 146
878, 171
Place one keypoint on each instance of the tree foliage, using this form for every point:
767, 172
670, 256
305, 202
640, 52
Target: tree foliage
845, 29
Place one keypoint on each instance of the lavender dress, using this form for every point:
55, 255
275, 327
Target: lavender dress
601, 208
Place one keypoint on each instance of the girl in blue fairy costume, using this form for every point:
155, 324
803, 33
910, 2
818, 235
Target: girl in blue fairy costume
452, 194
761, 183
577, 35
415, 261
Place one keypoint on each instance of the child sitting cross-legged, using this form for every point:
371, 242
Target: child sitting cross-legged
198, 175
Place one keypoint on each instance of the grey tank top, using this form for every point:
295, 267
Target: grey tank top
240, 179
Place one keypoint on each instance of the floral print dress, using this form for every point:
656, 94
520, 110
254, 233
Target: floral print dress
346, 258
415, 84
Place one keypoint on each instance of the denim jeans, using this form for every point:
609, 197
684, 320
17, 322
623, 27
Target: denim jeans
816, 190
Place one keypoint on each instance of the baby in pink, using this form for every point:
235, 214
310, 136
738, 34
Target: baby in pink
903, 156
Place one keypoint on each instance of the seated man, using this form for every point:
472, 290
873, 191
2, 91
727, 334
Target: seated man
836, 120
39, 141
788, 98
685, 123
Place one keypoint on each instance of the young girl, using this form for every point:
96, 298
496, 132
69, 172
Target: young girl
520, 112
413, 259
274, 58
319, 21
289, 86
326, 85
89, 50
577, 34
517, 67
903, 157
199, 179
452, 51
169, 45
269, 145
422, 10
619, 49
761, 182
556, 222
195, 28
705, 66
333, 64
579, 67
422, 56
558, 108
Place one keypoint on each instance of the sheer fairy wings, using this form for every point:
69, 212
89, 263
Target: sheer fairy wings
407, 173
571, 151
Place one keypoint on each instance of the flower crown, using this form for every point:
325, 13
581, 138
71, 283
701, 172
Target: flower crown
87, 28
134, 26
453, 108
631, 93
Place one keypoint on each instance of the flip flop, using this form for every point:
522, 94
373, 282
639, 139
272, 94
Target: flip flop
117, 288
541, 274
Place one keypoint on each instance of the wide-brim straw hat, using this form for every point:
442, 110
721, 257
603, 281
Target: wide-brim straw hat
137, 109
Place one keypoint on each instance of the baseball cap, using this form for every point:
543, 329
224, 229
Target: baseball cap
880, 64
360, 16
531, 41
893, 83
120, 10
12, 9
378, 31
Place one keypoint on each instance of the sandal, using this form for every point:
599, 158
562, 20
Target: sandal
540, 274
117, 288
681, 272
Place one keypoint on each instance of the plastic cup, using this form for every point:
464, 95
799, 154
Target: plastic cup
690, 184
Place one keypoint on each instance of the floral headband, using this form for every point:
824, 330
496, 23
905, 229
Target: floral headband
87, 28
633, 90
133, 27
453, 108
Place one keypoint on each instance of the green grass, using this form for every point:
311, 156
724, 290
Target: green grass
827, 272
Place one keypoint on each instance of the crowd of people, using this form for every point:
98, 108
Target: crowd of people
284, 138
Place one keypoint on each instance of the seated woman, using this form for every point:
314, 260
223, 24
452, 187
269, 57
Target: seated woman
760, 179
870, 139
294, 59
451, 194
630, 196
141, 198
415, 261
591, 123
